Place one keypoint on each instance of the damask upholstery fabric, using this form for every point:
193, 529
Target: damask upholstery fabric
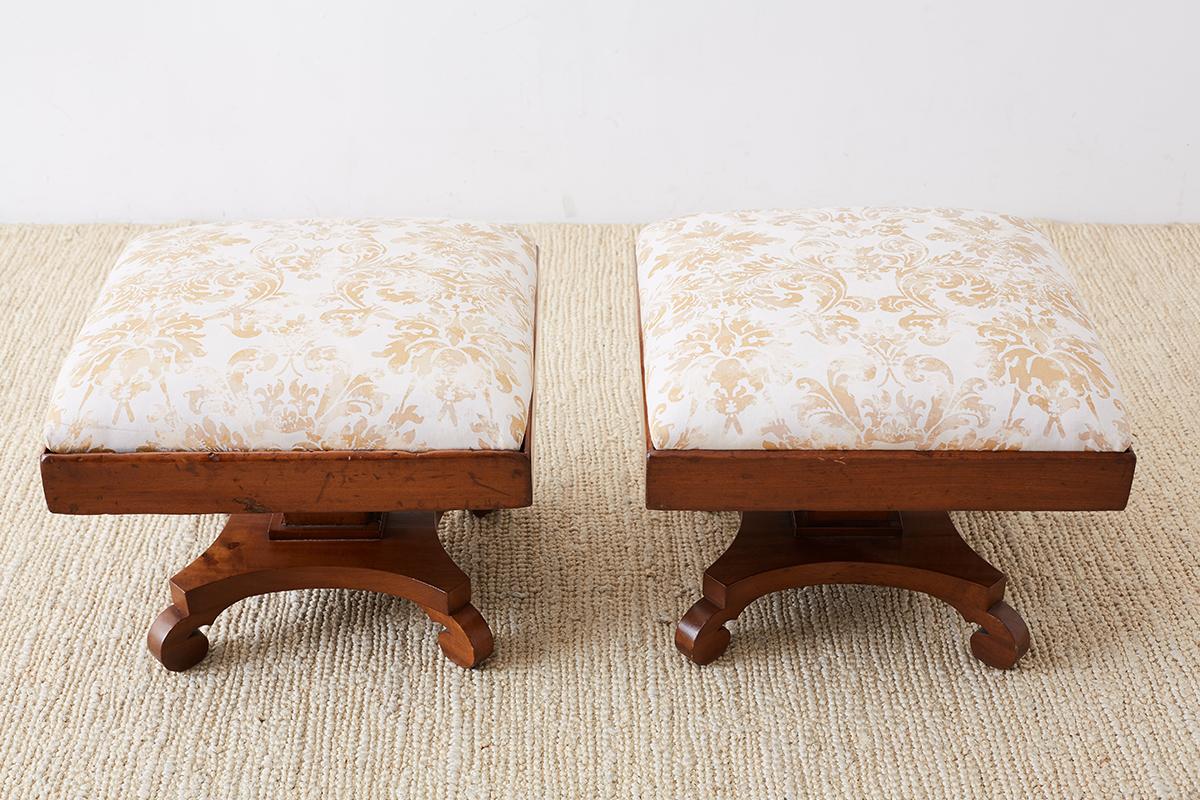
306, 335
888, 328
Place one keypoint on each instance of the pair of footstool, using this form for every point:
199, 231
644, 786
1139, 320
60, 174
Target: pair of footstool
842, 377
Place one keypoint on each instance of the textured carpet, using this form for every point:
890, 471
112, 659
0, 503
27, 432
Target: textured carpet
833, 691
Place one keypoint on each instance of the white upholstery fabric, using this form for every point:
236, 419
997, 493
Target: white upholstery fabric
880, 328
306, 335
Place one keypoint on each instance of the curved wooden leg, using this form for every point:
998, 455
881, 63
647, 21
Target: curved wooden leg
467, 640
919, 551
261, 553
175, 639
1003, 639
701, 635
736, 579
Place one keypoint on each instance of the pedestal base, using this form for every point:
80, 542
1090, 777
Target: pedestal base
920, 551
398, 553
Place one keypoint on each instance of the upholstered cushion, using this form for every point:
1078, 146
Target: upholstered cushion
868, 329
306, 335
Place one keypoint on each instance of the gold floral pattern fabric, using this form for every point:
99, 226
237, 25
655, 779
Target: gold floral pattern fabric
885, 328
306, 335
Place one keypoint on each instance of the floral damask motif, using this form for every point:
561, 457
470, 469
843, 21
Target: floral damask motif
868, 329
325, 334
1048, 366
725, 351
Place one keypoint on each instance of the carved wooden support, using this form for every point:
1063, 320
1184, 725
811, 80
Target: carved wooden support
920, 551
397, 553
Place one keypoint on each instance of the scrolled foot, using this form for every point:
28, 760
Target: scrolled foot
701, 635
1003, 639
175, 640
467, 640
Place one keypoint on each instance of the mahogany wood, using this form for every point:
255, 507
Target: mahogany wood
348, 525
257, 482
407, 561
920, 551
343, 519
901, 480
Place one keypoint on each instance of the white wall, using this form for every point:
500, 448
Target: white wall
607, 111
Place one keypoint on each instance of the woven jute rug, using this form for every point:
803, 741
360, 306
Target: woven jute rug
838, 691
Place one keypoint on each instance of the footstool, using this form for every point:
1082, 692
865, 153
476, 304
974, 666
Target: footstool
846, 377
333, 385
